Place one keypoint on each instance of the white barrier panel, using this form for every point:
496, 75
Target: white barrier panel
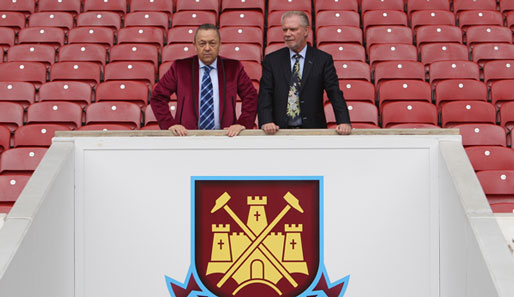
381, 215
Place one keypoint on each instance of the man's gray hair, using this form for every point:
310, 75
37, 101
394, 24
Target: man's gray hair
207, 27
303, 17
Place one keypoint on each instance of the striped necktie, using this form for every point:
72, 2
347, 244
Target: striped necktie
206, 121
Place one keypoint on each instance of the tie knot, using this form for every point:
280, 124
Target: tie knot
207, 68
297, 56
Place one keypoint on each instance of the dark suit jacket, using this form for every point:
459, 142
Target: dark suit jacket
182, 78
318, 74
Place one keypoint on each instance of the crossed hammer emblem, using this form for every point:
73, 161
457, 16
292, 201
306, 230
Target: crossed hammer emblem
257, 239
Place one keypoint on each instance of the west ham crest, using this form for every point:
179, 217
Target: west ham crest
257, 237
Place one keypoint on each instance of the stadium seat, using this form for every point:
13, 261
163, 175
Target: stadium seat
136, 53
432, 17
197, 5
357, 90
322, 5
440, 70
354, 70
242, 18
19, 92
438, 33
76, 70
242, 52
151, 121
461, 112
274, 17
152, 5
99, 19
381, 5
174, 52
130, 70
392, 52
193, 18
432, 52
414, 126
338, 34
507, 115
72, 6
25, 6
506, 7
482, 17
67, 114
363, 115
7, 38
11, 115
259, 5
345, 51
148, 35
47, 35
251, 35
403, 90
384, 18
485, 52
275, 35
463, 5
21, 159
34, 72
103, 127
484, 34
128, 91
11, 186
83, 52
37, 134
510, 20
389, 35
286, 5
59, 19
498, 186
253, 70
99, 35
164, 67
501, 91
490, 157
337, 18
118, 6
15, 20
71, 91
123, 113
498, 70
181, 35
273, 47
416, 5
459, 90
502, 207
402, 70
5, 138
408, 112
155, 19
482, 134
32, 52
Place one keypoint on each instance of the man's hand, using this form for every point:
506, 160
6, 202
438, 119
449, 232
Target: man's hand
270, 128
178, 130
344, 129
234, 130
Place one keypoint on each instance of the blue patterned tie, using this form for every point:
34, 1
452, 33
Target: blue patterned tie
206, 101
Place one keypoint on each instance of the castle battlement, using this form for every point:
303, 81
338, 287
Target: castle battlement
220, 228
293, 227
238, 234
275, 234
257, 200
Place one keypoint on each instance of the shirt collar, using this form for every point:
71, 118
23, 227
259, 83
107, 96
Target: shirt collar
302, 52
214, 64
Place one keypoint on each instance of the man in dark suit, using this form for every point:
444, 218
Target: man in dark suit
206, 86
293, 80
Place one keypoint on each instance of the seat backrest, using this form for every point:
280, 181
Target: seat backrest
100, 35
482, 134
37, 134
352, 70
431, 52
498, 70
129, 91
404, 90
392, 52
357, 90
68, 114
76, 70
388, 34
21, 159
363, 113
17, 91
501, 91
345, 51
147, 35
5, 138
197, 5
337, 18
7, 37
99, 19
338, 34
460, 112
389, 70
460, 90
135, 52
193, 18
485, 52
31, 52
479, 17
62, 5
481, 34
498, 186
52, 19
11, 186
130, 70
11, 115
247, 52
124, 113
172, 52
155, 19
239, 5
252, 35
183, 34
89, 52
12, 19
416, 5
24, 6
71, 91
507, 115
384, 18
432, 17
242, 18
34, 72
438, 33
462, 5
408, 112
47, 35
381, 5
118, 6
152, 5
440, 70
486, 157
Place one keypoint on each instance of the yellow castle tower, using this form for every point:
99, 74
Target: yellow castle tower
257, 214
221, 250
293, 250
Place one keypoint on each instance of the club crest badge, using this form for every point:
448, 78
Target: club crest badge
257, 237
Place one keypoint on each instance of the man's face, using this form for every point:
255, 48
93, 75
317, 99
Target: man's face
207, 44
295, 35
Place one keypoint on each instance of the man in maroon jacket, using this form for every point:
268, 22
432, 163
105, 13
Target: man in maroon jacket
206, 86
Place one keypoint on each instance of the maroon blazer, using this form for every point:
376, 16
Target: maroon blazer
182, 78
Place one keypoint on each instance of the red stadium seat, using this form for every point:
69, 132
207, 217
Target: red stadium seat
286, 5
408, 112
483, 34
71, 91
273, 47
345, 51
242, 18
37, 134
182, 35
507, 115
363, 115
403, 90
432, 52
164, 67
462, 5
59, 19
352, 70
123, 113
155, 19
414, 126
118, 6
151, 121
502, 207
482, 134
388, 34
128, 91
338, 34
11, 186
275, 17
381, 5
148, 35
416, 5
193, 18
357, 90
72, 6
103, 127
501, 91
392, 52
47, 35
460, 90
31, 52
11, 115
21, 159
498, 186
490, 157
432, 17
485, 52
83, 52
197, 5
100, 35
440, 70
275, 35
7, 37
152, 5
337, 18
322, 5
34, 72
461, 112
482, 17
24, 6
510, 20
19, 92
438, 33
174, 52
130, 70
5, 138
242, 52
76, 70
15, 20
99, 19
135, 52
498, 70
258, 5
251, 35
506, 7
253, 70
402, 70
67, 114
384, 18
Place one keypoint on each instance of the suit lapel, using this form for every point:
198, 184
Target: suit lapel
286, 65
221, 88
307, 66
